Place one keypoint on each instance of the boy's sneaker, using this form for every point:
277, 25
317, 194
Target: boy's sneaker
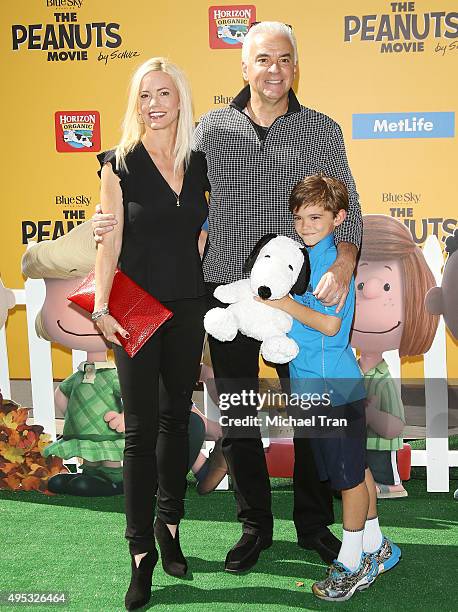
386, 556
341, 583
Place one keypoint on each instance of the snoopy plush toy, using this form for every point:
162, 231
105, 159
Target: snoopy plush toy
278, 266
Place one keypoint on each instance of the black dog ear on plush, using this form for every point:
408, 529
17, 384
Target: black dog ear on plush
248, 265
300, 286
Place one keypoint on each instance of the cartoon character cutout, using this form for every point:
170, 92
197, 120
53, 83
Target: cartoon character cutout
392, 279
444, 300
90, 398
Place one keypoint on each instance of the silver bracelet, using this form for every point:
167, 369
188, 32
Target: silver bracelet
97, 314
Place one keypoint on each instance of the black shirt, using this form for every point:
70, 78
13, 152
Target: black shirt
159, 245
261, 130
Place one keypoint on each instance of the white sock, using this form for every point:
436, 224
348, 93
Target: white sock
351, 549
373, 537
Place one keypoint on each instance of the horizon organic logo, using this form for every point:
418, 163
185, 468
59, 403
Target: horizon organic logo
228, 25
77, 131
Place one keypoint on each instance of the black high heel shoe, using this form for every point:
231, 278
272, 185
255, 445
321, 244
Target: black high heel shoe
173, 560
139, 591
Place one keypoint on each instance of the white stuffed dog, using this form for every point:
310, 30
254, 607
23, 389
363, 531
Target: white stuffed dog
278, 266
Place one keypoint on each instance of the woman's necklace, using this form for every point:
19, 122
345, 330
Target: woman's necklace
177, 197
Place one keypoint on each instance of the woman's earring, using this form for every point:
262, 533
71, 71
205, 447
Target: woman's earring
140, 118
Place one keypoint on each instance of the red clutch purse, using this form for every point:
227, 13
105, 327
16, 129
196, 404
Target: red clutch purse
135, 309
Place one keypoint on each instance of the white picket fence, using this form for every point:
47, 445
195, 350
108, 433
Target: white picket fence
437, 457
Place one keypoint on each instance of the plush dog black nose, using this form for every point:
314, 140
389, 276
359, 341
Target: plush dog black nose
264, 292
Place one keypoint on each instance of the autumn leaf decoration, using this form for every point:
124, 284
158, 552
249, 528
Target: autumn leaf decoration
22, 466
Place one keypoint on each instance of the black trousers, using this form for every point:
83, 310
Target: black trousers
236, 368
156, 445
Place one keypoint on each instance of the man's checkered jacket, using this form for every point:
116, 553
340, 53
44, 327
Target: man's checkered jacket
251, 178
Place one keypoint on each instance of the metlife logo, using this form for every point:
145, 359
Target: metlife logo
403, 125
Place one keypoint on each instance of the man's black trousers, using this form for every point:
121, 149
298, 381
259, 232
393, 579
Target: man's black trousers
236, 368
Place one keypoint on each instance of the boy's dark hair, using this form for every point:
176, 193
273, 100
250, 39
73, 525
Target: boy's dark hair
326, 191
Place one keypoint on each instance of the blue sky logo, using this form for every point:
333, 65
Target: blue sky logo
403, 125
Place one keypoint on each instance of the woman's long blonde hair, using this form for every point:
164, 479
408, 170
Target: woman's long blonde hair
133, 129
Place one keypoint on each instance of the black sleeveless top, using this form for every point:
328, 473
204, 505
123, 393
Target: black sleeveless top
159, 245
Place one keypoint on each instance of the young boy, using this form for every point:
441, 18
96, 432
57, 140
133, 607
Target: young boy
319, 205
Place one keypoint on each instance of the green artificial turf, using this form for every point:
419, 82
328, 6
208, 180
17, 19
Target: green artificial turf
76, 545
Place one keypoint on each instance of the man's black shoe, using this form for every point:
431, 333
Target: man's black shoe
326, 545
246, 552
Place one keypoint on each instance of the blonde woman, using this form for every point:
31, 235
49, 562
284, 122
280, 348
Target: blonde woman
155, 187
